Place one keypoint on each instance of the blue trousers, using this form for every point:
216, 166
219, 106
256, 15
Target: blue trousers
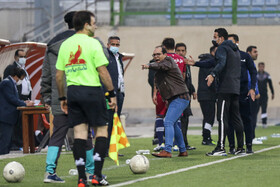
174, 111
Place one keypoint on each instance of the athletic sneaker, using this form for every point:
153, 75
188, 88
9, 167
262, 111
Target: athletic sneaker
231, 151
175, 148
217, 152
208, 142
82, 183
249, 149
240, 151
99, 181
257, 141
190, 147
159, 147
264, 126
52, 178
90, 177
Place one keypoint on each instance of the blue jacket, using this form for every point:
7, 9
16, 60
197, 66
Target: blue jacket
9, 101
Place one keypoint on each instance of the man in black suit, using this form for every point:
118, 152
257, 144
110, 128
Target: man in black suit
115, 68
9, 101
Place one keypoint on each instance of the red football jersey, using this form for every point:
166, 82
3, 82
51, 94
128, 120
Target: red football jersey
179, 61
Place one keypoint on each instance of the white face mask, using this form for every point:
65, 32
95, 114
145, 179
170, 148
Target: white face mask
19, 82
22, 61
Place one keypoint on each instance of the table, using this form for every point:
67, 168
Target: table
27, 126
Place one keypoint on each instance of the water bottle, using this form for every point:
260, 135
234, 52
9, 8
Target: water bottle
262, 138
73, 172
144, 152
127, 161
275, 135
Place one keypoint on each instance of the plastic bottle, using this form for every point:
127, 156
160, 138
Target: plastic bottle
144, 152
275, 135
73, 172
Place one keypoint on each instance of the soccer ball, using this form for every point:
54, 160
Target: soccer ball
139, 164
13, 172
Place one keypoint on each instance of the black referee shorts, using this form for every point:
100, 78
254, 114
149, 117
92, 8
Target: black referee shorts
86, 105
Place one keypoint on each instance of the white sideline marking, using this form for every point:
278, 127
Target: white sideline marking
192, 167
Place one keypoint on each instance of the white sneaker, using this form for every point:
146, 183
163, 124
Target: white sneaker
257, 141
159, 147
176, 148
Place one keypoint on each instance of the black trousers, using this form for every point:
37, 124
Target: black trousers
185, 123
208, 112
228, 110
263, 104
6, 132
254, 112
246, 116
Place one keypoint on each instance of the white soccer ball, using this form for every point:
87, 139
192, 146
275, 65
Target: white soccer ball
13, 172
139, 164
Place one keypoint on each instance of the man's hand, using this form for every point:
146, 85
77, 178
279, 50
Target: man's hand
155, 99
63, 106
145, 66
189, 61
210, 80
113, 102
47, 106
258, 96
252, 94
194, 95
272, 96
29, 103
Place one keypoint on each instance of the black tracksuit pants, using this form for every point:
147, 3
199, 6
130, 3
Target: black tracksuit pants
228, 110
246, 116
208, 112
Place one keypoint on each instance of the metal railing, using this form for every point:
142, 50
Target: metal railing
121, 13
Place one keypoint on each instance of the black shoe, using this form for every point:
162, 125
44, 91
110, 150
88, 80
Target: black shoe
190, 147
249, 149
82, 183
155, 141
217, 152
231, 151
121, 155
240, 151
208, 142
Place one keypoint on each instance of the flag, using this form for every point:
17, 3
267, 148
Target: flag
118, 139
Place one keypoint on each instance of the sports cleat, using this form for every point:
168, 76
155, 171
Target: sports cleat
217, 152
175, 148
249, 150
190, 147
97, 181
90, 177
82, 183
52, 178
231, 151
159, 147
240, 151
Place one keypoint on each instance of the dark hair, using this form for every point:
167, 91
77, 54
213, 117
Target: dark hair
17, 72
250, 48
234, 36
222, 32
260, 63
113, 38
181, 45
163, 50
68, 18
16, 53
212, 49
81, 18
168, 43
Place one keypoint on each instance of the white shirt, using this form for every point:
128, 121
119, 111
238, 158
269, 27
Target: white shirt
120, 72
26, 84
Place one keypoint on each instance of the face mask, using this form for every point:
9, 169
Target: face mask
22, 61
114, 50
214, 42
19, 82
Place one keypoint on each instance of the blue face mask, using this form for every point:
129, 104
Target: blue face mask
114, 50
